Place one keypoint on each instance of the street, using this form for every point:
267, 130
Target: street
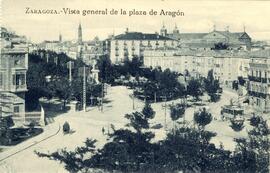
89, 124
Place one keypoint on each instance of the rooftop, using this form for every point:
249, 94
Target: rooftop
261, 54
140, 36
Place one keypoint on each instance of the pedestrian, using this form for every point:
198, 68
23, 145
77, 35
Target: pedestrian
103, 130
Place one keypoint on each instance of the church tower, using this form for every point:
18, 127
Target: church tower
175, 30
80, 34
60, 38
163, 30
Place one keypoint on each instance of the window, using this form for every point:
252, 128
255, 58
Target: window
19, 79
17, 62
16, 109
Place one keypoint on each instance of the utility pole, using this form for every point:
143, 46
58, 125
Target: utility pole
165, 113
84, 90
70, 73
133, 105
164, 98
102, 95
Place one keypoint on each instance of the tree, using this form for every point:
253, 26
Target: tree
194, 88
147, 111
237, 125
211, 86
220, 46
235, 85
177, 111
202, 117
106, 70
5, 132
75, 161
241, 80
255, 120
60, 88
252, 154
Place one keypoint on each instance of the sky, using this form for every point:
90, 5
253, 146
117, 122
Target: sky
199, 16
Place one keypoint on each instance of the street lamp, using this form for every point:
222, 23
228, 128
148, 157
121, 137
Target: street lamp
164, 99
133, 104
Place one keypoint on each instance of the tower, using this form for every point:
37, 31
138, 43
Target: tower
80, 34
60, 38
176, 30
163, 30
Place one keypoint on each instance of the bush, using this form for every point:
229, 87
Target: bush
255, 120
202, 117
237, 125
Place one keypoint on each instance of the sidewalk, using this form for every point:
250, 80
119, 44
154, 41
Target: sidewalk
48, 132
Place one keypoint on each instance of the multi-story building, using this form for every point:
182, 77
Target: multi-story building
130, 44
227, 65
234, 40
13, 67
259, 80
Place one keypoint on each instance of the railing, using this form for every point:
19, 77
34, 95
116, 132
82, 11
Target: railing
258, 79
37, 117
257, 94
18, 87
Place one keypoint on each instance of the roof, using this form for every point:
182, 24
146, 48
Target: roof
140, 36
233, 36
212, 53
192, 35
261, 54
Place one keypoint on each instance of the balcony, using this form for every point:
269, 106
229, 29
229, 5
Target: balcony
18, 88
257, 94
258, 79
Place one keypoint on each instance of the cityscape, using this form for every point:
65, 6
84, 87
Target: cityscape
141, 102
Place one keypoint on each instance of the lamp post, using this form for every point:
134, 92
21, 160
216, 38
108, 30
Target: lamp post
133, 104
102, 95
84, 90
164, 99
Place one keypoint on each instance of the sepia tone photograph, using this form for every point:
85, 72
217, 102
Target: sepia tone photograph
133, 86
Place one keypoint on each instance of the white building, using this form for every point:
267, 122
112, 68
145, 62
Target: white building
227, 65
132, 44
259, 80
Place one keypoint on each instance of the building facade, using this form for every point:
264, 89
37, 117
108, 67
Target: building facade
13, 68
234, 40
130, 44
259, 81
227, 66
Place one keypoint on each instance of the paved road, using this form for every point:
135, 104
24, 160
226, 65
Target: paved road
89, 124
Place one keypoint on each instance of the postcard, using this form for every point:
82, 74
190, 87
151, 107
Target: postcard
126, 86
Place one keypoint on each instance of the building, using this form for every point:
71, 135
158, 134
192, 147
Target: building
13, 68
130, 44
227, 65
259, 80
88, 51
234, 40
80, 41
